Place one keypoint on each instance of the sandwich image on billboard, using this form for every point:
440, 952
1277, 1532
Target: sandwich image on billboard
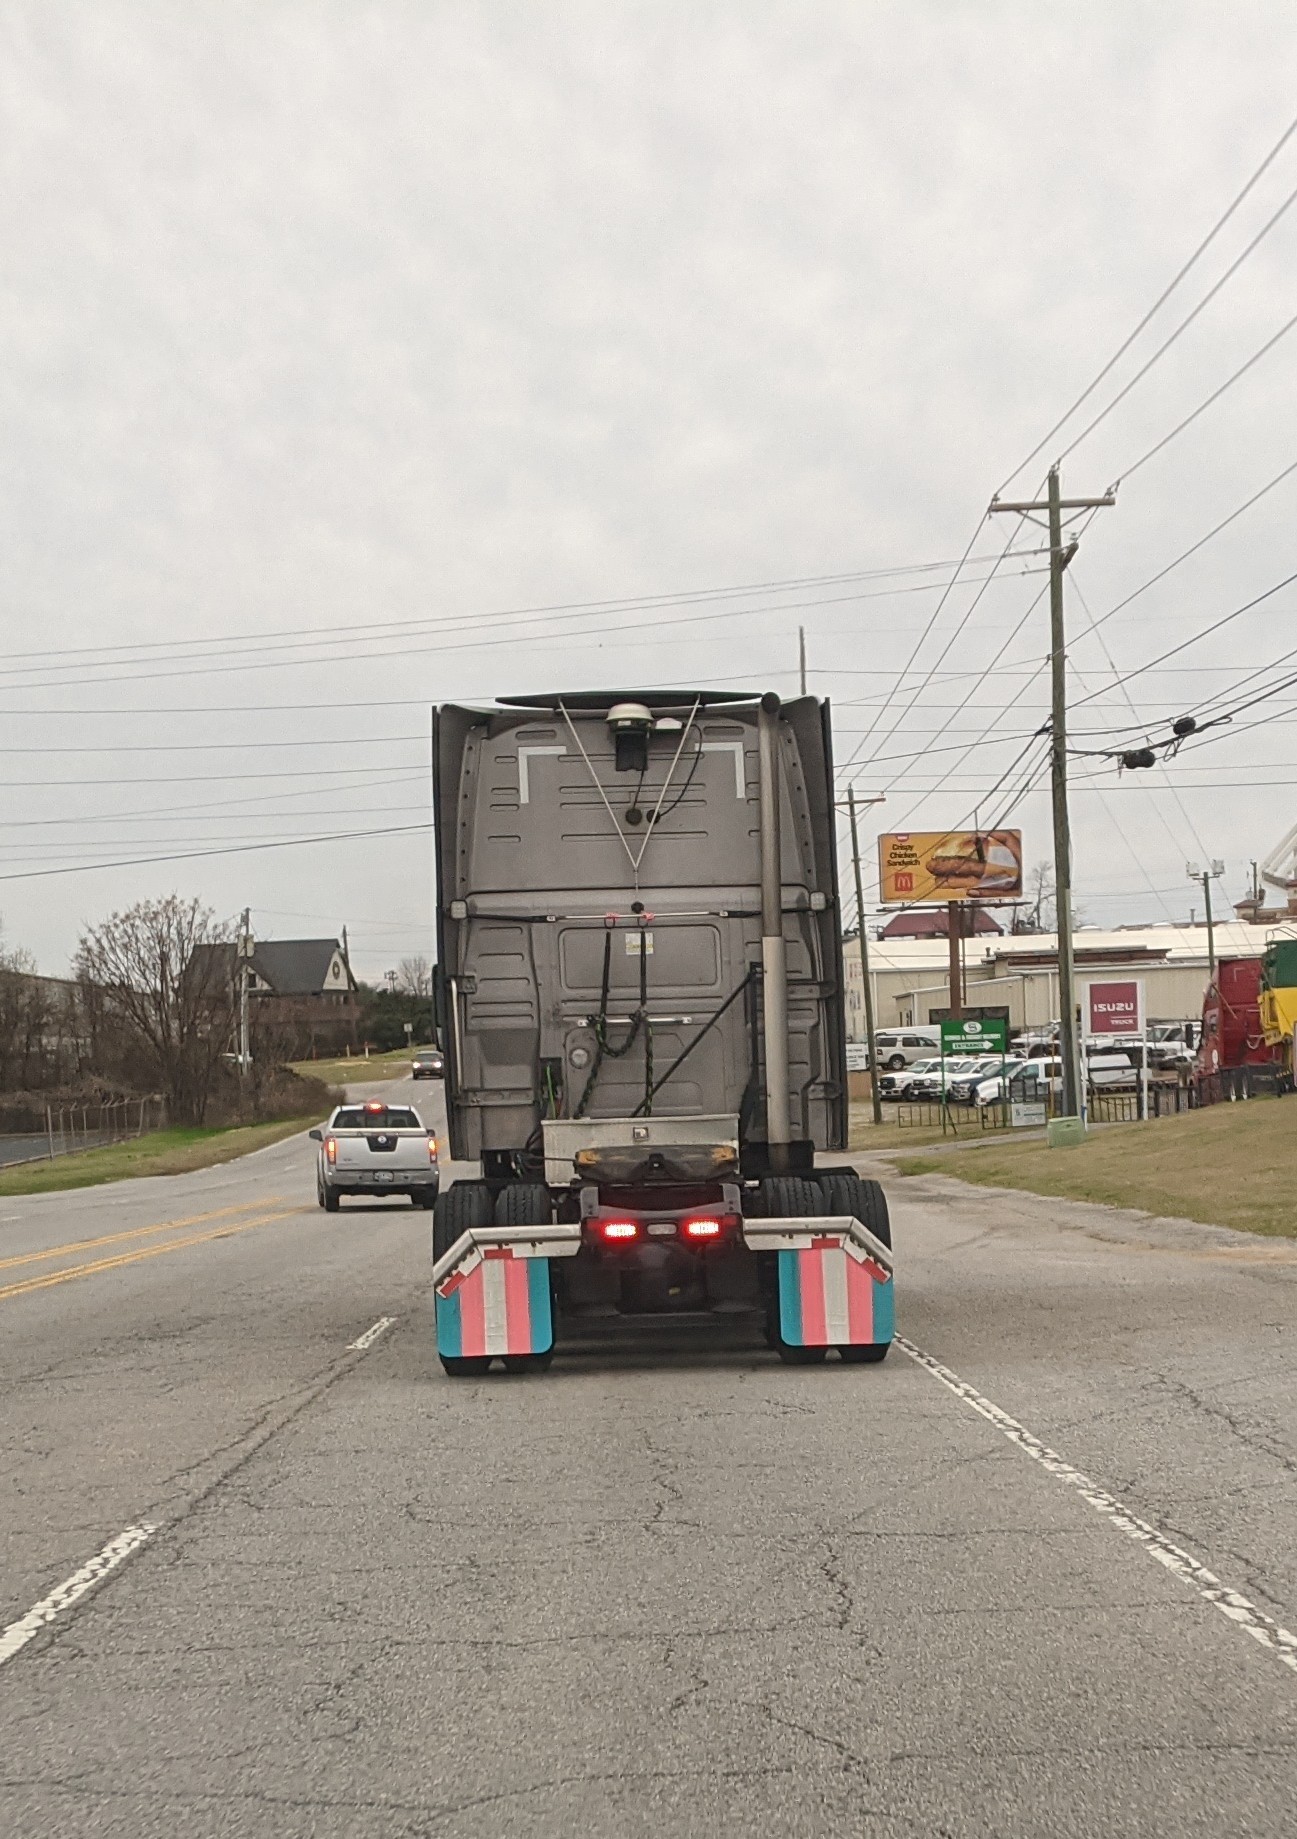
919, 865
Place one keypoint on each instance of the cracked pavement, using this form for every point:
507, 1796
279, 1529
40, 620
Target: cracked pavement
670, 1588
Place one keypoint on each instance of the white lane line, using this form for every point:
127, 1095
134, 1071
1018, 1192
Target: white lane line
371, 1335
1280, 1641
14, 1638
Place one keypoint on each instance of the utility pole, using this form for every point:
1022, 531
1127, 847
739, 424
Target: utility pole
1059, 557
1212, 872
955, 936
801, 655
875, 1095
245, 971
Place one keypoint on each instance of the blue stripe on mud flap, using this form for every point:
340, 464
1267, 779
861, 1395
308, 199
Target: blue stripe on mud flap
884, 1310
450, 1333
542, 1315
790, 1298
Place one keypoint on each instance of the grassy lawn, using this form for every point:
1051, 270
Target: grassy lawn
1227, 1165
357, 1071
163, 1152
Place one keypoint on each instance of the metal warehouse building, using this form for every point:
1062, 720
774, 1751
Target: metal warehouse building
1019, 973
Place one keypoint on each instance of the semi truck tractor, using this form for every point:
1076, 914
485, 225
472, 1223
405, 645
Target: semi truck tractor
640, 997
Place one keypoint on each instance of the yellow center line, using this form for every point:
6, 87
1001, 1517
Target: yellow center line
228, 1231
137, 1232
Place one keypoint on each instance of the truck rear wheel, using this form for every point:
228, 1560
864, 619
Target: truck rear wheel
461, 1366
330, 1200
790, 1197
863, 1200
465, 1204
523, 1203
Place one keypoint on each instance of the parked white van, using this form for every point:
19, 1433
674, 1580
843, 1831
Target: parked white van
903, 1046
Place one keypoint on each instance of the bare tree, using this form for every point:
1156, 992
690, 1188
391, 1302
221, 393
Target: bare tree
159, 978
415, 976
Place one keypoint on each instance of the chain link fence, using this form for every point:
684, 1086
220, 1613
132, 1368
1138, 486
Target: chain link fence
27, 1137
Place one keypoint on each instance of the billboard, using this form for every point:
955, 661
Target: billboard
1116, 1008
924, 865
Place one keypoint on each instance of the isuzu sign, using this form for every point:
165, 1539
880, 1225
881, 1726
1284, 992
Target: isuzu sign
1116, 1008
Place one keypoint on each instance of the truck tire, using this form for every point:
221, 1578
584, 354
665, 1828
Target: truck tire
423, 1197
464, 1204
863, 1200
331, 1201
523, 1203
791, 1197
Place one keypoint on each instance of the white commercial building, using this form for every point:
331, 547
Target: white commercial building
1019, 972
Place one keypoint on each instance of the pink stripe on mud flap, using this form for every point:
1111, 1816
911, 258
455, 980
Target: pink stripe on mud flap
472, 1315
810, 1271
517, 1306
860, 1301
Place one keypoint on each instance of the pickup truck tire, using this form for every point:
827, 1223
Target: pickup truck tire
424, 1197
523, 1203
463, 1205
330, 1200
863, 1200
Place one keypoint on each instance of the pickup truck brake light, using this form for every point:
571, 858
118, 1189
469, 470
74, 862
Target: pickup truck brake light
432, 1149
331, 1148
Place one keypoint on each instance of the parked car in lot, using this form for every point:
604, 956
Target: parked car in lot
898, 1084
373, 1149
428, 1063
930, 1086
898, 1047
967, 1088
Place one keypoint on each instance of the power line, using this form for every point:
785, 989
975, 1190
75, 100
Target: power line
1128, 472
1196, 637
1184, 325
195, 855
1165, 295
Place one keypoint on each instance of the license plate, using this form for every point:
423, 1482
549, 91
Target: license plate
383, 1175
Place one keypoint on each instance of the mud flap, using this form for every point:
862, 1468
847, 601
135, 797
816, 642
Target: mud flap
491, 1290
835, 1283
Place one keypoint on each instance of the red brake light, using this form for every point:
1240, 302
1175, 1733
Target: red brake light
331, 1148
375, 1104
702, 1229
619, 1229
432, 1149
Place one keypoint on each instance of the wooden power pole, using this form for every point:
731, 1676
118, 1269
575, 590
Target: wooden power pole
1059, 557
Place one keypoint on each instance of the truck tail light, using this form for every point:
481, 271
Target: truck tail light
707, 1226
432, 1149
618, 1230
331, 1148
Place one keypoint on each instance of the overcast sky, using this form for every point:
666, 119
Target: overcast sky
319, 318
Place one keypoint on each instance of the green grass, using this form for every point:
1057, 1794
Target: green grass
356, 1071
164, 1152
1227, 1165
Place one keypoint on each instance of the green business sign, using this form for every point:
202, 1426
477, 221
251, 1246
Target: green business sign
974, 1036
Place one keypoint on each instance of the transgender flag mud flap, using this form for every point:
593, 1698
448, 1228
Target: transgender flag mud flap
495, 1302
833, 1294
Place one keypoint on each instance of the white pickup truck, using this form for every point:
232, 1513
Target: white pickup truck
375, 1148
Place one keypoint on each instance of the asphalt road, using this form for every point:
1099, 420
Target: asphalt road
670, 1588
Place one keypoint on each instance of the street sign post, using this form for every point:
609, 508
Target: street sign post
971, 1035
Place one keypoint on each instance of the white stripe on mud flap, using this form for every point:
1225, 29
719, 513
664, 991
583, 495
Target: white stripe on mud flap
1281, 1642
837, 1315
495, 1314
14, 1638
